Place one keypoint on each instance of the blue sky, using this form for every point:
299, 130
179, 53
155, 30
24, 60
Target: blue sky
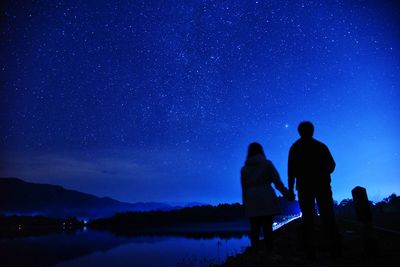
154, 101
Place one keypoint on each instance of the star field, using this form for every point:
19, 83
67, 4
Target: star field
158, 100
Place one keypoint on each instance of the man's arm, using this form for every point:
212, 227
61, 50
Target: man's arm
291, 170
330, 161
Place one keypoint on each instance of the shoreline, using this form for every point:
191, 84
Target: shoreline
288, 252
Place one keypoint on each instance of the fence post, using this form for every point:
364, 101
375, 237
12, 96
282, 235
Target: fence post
364, 217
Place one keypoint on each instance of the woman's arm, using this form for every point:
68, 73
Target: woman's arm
276, 180
243, 187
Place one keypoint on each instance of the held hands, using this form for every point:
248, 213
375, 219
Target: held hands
290, 196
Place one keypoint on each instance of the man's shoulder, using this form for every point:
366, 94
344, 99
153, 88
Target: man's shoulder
303, 144
295, 144
319, 143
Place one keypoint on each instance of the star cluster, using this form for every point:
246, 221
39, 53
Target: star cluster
153, 100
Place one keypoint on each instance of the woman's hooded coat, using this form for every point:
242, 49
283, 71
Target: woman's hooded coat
259, 198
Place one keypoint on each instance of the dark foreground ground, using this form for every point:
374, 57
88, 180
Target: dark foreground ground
287, 251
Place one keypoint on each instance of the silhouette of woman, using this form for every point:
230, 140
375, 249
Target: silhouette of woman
259, 199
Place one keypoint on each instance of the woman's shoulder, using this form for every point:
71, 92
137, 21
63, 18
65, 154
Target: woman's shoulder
268, 163
242, 169
270, 167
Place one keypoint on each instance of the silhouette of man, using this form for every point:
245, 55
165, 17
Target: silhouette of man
311, 164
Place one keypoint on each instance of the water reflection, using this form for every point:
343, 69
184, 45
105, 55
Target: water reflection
51, 249
180, 246
93, 248
164, 251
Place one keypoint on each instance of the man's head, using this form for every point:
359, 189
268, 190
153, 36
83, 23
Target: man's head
306, 129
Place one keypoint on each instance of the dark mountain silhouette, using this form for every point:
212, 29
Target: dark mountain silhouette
24, 198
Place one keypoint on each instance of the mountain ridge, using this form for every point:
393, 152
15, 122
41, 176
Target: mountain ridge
26, 198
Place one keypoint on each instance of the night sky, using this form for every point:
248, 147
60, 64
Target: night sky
158, 100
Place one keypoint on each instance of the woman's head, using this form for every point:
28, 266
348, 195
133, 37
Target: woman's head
255, 149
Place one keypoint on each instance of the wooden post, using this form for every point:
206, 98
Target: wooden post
361, 205
364, 217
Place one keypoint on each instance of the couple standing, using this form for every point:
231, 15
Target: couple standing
310, 165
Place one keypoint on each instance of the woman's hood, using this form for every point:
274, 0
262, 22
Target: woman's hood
255, 160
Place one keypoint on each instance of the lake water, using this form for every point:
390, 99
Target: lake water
102, 248
93, 248
164, 251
